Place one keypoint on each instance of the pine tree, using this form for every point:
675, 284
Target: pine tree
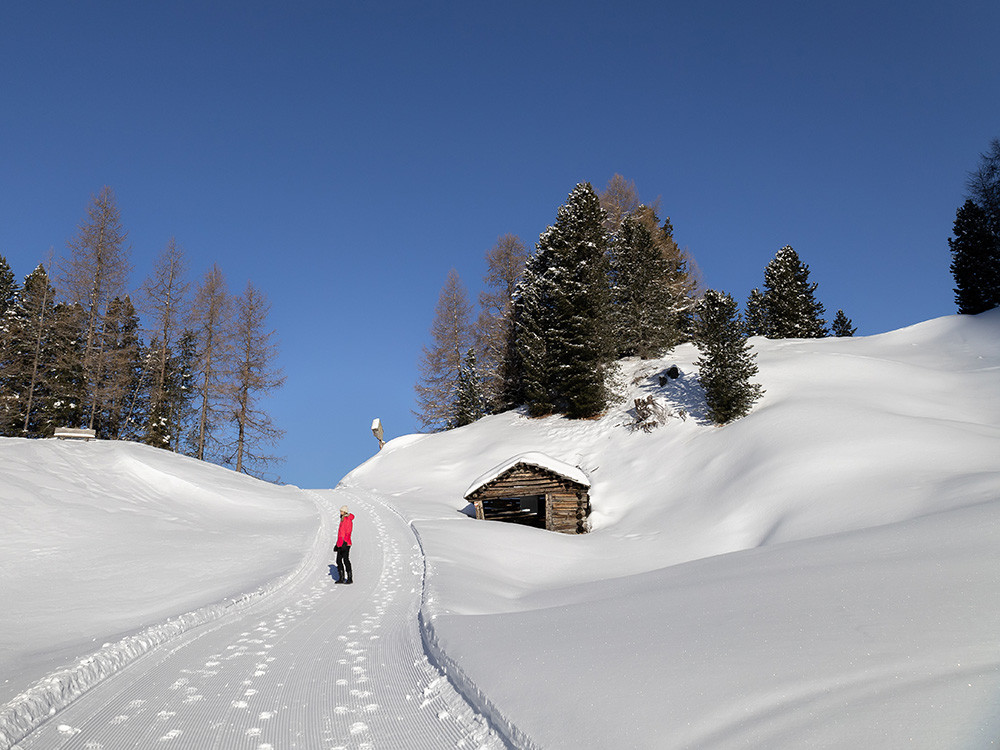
180, 391
791, 310
650, 289
842, 325
64, 387
120, 378
755, 320
726, 364
441, 362
566, 340
470, 398
975, 263
8, 288
10, 359
42, 374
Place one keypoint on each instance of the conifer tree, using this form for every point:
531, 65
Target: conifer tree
529, 374
726, 364
63, 381
565, 337
842, 325
441, 362
180, 391
10, 359
791, 310
494, 328
755, 320
8, 288
975, 263
470, 400
118, 387
650, 289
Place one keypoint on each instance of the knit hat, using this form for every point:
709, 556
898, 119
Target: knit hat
343, 509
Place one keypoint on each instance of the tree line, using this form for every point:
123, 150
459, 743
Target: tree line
607, 280
180, 369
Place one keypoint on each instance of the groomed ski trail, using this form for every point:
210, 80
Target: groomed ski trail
316, 665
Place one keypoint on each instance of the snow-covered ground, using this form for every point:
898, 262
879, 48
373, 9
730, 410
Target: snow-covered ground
822, 573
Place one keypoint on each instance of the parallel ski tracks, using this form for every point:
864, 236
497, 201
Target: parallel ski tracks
315, 665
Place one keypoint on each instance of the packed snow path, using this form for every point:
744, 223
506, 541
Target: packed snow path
315, 665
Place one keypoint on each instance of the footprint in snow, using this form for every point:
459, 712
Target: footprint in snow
67, 730
173, 734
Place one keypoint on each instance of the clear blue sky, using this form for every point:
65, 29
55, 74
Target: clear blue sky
345, 155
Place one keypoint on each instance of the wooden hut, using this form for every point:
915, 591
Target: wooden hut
535, 490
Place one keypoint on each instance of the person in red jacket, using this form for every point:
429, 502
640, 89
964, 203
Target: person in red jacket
343, 547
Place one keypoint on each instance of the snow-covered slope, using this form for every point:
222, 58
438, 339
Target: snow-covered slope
103, 539
860, 505
822, 573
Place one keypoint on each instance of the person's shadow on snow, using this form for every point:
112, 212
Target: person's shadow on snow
333, 572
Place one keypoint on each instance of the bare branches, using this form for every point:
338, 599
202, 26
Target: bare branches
253, 376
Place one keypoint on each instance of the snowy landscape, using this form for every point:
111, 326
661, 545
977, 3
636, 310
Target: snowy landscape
820, 573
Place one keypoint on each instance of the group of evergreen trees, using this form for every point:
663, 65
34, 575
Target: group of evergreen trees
975, 248
606, 281
74, 351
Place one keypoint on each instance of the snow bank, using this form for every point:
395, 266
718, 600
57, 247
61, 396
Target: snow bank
107, 543
820, 573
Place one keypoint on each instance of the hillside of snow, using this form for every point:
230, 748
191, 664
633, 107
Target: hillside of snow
104, 539
821, 573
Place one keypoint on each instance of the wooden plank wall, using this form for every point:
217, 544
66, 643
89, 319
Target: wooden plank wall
566, 506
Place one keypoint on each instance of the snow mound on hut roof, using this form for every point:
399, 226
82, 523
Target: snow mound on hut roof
536, 459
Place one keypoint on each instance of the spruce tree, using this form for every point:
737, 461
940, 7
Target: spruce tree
10, 359
118, 392
726, 364
790, 307
842, 325
975, 260
649, 287
571, 287
470, 399
755, 320
529, 378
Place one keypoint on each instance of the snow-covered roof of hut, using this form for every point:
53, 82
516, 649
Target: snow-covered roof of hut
532, 458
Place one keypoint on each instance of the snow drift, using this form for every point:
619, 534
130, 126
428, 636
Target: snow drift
820, 573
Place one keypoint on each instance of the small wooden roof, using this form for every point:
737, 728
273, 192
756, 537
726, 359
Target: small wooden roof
535, 460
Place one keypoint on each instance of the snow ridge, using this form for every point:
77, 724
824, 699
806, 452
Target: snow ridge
46, 697
463, 685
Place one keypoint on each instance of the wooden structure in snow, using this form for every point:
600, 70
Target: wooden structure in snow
535, 490
74, 433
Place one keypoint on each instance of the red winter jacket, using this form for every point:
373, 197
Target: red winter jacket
344, 533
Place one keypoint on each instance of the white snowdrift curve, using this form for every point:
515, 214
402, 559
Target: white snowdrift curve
50, 694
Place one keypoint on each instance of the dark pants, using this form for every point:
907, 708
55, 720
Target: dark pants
344, 563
